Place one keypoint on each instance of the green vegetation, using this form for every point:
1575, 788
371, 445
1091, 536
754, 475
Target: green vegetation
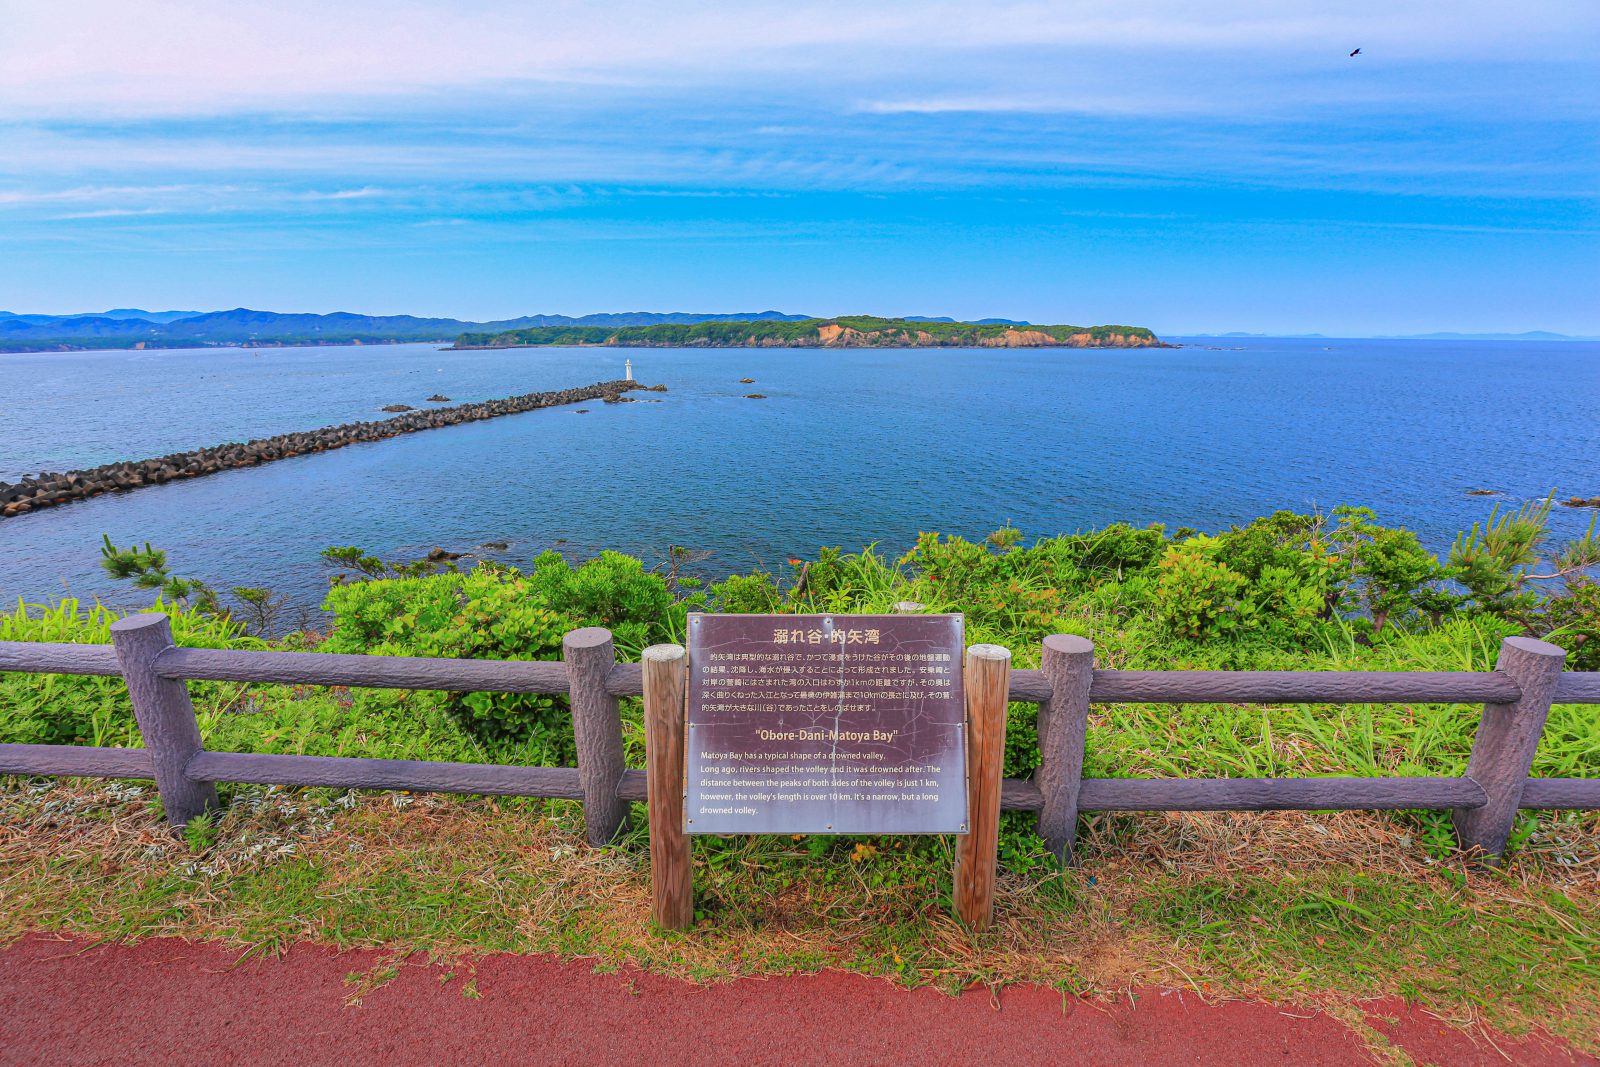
1289, 904
857, 330
1288, 591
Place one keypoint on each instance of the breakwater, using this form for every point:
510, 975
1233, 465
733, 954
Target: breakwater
50, 489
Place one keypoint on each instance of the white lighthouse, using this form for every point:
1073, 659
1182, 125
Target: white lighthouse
628, 368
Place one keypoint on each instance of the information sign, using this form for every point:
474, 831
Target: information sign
826, 724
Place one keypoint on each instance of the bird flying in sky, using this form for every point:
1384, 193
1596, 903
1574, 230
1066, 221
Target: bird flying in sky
1357, 52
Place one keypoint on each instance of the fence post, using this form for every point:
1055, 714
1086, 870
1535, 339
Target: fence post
671, 880
988, 679
1508, 735
597, 727
165, 715
1068, 664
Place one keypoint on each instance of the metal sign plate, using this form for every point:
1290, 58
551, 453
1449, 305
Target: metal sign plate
826, 724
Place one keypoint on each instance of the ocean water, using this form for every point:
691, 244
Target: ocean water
850, 447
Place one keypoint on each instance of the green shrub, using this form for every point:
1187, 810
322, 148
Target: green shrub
486, 613
1198, 596
756, 593
611, 590
1573, 622
71, 709
498, 612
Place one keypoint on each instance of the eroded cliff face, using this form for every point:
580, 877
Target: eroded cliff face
1020, 339
833, 335
836, 336
1115, 340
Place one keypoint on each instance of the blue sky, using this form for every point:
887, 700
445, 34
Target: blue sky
1189, 167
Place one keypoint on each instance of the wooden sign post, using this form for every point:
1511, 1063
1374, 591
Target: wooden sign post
671, 883
988, 677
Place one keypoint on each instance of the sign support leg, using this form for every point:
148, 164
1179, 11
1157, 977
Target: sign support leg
988, 677
671, 883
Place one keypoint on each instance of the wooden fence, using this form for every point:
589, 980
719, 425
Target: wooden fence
1516, 698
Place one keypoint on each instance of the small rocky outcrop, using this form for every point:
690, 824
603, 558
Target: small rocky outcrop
497, 546
755, 396
1480, 492
747, 381
399, 407
439, 555
438, 398
1581, 502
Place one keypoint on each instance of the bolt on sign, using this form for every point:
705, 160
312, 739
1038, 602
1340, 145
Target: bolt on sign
826, 724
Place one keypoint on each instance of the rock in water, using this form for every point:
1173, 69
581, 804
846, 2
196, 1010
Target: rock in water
399, 407
755, 396
747, 381
438, 398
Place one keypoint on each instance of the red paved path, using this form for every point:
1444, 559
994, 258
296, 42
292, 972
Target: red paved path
168, 1001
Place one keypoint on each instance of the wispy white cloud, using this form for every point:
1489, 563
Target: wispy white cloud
347, 104
108, 213
86, 194
104, 58
366, 192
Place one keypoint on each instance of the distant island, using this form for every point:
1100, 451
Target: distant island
850, 331
243, 327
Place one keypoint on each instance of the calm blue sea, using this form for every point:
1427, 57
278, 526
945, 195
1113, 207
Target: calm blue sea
850, 447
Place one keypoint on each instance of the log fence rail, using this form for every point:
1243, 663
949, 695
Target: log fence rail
1516, 698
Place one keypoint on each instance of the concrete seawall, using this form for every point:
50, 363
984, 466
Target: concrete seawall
48, 490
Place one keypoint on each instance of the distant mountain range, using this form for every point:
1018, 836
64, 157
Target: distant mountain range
133, 328
114, 313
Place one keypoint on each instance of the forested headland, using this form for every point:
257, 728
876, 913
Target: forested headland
850, 331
